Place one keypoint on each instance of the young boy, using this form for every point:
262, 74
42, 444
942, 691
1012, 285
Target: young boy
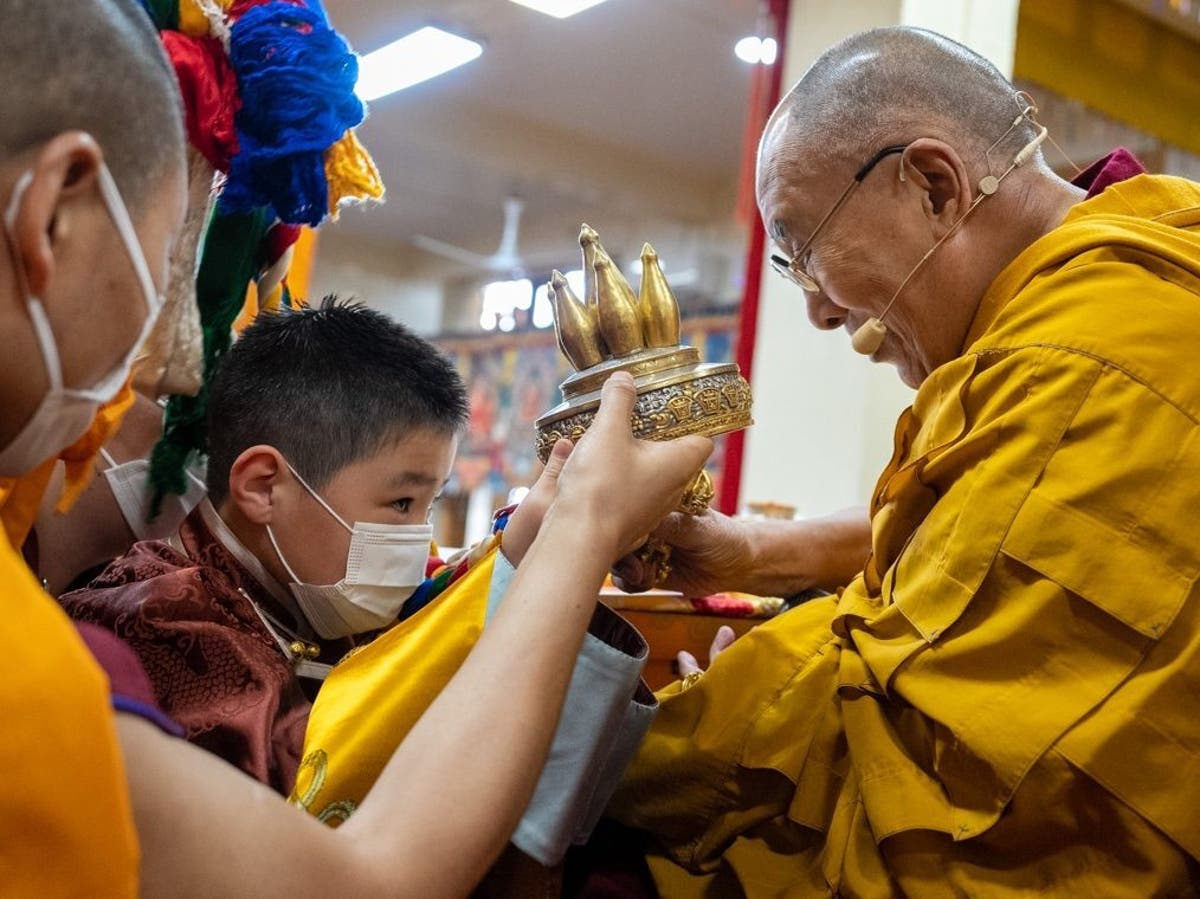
332, 431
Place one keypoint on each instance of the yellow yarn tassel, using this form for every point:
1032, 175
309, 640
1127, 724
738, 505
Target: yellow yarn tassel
194, 20
351, 173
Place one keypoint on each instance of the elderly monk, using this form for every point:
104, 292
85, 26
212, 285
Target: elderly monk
1000, 703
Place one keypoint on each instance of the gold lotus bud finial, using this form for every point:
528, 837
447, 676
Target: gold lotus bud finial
617, 305
589, 240
612, 322
575, 325
657, 306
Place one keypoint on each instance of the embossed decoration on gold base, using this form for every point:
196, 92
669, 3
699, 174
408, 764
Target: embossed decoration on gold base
612, 330
698, 495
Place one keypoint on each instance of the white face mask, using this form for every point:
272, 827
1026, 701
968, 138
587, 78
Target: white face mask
130, 486
65, 413
386, 563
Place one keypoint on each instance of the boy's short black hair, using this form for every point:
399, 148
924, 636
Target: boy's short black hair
326, 386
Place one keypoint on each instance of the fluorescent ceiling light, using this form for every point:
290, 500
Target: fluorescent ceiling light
414, 58
560, 9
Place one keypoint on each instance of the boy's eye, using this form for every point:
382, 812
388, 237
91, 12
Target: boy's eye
403, 506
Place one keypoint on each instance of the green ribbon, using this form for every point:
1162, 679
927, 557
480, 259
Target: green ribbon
233, 255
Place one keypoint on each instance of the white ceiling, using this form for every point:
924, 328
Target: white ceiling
629, 112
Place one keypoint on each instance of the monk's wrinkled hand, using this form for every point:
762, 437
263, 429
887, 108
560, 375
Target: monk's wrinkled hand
710, 552
722, 641
624, 486
526, 520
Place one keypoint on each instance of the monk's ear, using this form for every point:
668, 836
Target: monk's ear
61, 180
254, 480
936, 171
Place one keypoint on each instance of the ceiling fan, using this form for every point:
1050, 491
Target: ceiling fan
505, 260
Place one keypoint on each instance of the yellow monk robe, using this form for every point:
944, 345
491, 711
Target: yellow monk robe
1005, 702
66, 827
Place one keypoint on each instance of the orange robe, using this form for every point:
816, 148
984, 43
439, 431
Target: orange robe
66, 826
1005, 702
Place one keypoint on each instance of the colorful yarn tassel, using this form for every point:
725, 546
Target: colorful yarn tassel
271, 287
196, 17
351, 173
210, 95
269, 91
296, 77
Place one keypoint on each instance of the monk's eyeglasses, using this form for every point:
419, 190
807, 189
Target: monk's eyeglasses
793, 269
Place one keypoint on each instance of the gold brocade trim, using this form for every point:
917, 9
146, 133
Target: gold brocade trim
712, 400
315, 765
315, 769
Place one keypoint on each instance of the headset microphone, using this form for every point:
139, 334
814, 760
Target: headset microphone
869, 337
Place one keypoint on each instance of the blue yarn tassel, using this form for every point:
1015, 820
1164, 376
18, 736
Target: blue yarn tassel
296, 79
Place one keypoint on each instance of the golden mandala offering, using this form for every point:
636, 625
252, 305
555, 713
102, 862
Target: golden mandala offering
613, 329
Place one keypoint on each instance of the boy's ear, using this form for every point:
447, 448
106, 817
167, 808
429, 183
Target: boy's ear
253, 479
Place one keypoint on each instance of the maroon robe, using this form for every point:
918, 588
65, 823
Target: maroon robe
215, 667
1117, 166
128, 686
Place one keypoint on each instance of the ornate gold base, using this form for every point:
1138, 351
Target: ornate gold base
677, 395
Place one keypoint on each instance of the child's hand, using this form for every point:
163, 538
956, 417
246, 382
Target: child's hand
617, 486
526, 520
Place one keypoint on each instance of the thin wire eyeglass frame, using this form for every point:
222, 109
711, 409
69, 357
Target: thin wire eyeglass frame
793, 269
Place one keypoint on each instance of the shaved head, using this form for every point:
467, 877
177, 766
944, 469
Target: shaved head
895, 249
891, 86
94, 66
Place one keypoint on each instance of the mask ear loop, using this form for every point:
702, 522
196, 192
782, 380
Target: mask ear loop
328, 508
119, 213
37, 312
282, 558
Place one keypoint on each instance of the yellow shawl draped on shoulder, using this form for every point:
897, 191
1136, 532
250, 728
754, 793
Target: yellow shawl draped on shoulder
372, 699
